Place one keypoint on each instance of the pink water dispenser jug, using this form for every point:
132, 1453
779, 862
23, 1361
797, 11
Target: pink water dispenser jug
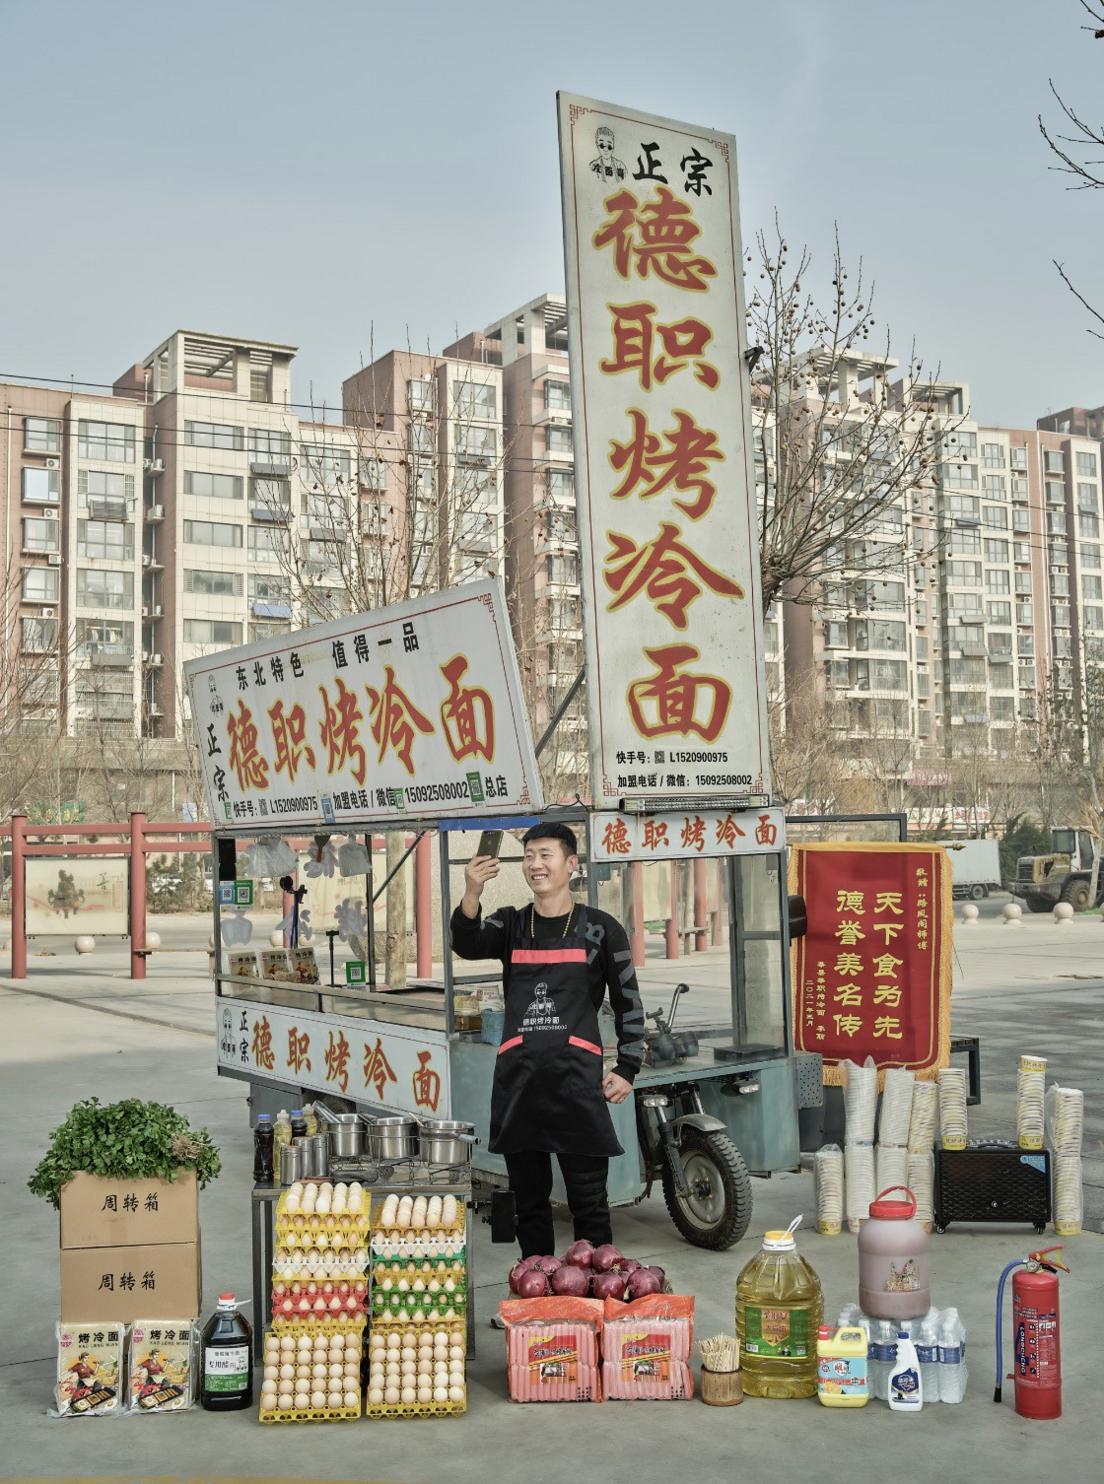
893, 1259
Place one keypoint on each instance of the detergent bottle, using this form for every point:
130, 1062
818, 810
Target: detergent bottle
779, 1305
842, 1379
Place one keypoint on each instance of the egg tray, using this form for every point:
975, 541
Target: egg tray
312, 1326
449, 1229
386, 1245
454, 1330
313, 1275
310, 1414
347, 1316
407, 1321
355, 1225
384, 1410
410, 1267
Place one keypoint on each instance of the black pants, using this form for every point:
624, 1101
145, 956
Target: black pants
531, 1182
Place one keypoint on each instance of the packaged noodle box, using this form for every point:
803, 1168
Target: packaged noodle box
89, 1369
160, 1369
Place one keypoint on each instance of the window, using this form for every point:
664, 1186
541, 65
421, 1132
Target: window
1056, 522
1026, 674
475, 442
561, 526
1060, 615
1002, 708
214, 435
965, 542
474, 399
419, 438
104, 484
373, 473
996, 551
1087, 498
111, 638
995, 517
211, 631
882, 633
963, 507
968, 672
1000, 645
1027, 708
41, 535
105, 696
1001, 676
113, 443
960, 444
965, 606
835, 635
98, 588
869, 595
260, 384
1091, 587
998, 612
1093, 617
269, 629
557, 398
267, 543
1086, 464
1055, 492
1059, 553
39, 635
112, 540
213, 486
211, 533
324, 464
993, 485
561, 484
563, 568
41, 486
269, 498
264, 587
266, 443
559, 439
992, 455
1054, 461
213, 584
42, 434
1059, 584
1089, 525
325, 509
960, 476
1063, 646
997, 581
41, 584
419, 396
1024, 613
964, 574
1017, 458
888, 674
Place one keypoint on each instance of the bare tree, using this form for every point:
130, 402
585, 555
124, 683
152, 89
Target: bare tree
1076, 152
33, 648
841, 447
807, 765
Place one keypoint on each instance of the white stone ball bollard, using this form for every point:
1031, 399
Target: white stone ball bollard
1063, 913
276, 939
969, 913
1012, 912
85, 943
153, 940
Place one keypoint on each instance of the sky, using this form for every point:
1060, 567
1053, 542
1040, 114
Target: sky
349, 177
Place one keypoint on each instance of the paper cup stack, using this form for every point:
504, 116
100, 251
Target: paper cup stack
860, 1103
921, 1165
893, 1126
1030, 1086
891, 1165
952, 1107
828, 1168
1065, 1121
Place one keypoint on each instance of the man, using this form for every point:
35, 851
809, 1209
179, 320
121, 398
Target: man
550, 1093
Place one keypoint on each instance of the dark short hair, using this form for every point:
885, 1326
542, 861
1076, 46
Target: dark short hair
553, 831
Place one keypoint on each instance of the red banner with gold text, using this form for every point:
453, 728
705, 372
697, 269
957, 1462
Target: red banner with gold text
872, 975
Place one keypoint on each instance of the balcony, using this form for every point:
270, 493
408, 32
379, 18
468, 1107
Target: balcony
270, 466
111, 652
106, 508
271, 515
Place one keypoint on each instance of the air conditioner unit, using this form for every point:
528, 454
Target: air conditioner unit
54, 558
155, 512
145, 611
50, 514
48, 612
157, 610
53, 463
154, 466
146, 559
155, 659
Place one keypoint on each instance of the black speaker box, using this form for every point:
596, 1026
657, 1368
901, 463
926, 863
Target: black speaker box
992, 1182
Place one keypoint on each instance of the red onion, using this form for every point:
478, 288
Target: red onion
574, 1282
516, 1272
659, 1272
547, 1265
642, 1282
604, 1257
579, 1254
533, 1284
628, 1265
608, 1285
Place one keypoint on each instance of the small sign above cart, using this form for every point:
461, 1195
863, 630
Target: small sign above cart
686, 834
413, 711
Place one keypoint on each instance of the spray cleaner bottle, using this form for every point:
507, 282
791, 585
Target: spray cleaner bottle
906, 1386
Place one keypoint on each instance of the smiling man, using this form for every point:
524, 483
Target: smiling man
559, 961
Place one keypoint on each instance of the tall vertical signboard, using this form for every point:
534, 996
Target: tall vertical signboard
664, 474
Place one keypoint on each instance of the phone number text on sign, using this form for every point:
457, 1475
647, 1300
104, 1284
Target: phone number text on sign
667, 521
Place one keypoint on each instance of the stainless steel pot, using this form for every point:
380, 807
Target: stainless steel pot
444, 1141
347, 1136
293, 1159
393, 1138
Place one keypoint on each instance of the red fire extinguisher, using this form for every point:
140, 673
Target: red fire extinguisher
1036, 1337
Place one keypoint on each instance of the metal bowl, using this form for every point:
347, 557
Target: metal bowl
445, 1141
393, 1138
347, 1136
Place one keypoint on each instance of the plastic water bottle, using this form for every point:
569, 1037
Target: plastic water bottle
952, 1358
927, 1353
883, 1356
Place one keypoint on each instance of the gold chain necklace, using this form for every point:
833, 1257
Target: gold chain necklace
533, 921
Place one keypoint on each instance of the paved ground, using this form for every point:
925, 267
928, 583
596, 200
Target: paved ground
67, 1035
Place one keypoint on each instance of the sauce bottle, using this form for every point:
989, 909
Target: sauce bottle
263, 1141
226, 1378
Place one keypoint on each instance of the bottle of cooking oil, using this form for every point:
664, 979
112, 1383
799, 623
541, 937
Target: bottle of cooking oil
778, 1312
281, 1137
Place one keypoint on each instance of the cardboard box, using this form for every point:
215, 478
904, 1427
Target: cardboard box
98, 1212
163, 1281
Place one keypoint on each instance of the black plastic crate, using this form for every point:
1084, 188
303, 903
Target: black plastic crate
992, 1182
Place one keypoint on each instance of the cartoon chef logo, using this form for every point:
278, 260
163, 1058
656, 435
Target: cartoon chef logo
606, 166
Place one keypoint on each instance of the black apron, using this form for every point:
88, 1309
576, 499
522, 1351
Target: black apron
547, 1092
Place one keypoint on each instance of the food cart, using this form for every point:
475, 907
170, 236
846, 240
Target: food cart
282, 727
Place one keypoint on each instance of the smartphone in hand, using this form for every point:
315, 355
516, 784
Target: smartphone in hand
490, 843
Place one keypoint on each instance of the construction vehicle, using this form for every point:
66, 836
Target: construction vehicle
1070, 873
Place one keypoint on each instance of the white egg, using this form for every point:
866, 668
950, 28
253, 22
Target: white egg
375, 1396
322, 1205
394, 1341
352, 1397
287, 1371
291, 1206
440, 1394
391, 1396
457, 1393
335, 1398
318, 1400
285, 1401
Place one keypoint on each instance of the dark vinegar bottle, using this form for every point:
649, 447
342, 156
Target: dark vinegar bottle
226, 1377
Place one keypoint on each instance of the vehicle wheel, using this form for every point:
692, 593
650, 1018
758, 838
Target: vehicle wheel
977, 892
717, 1210
1077, 894
1038, 904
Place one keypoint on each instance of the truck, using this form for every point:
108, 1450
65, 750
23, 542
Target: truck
975, 867
1069, 873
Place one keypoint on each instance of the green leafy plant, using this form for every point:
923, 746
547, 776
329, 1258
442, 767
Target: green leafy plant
123, 1140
